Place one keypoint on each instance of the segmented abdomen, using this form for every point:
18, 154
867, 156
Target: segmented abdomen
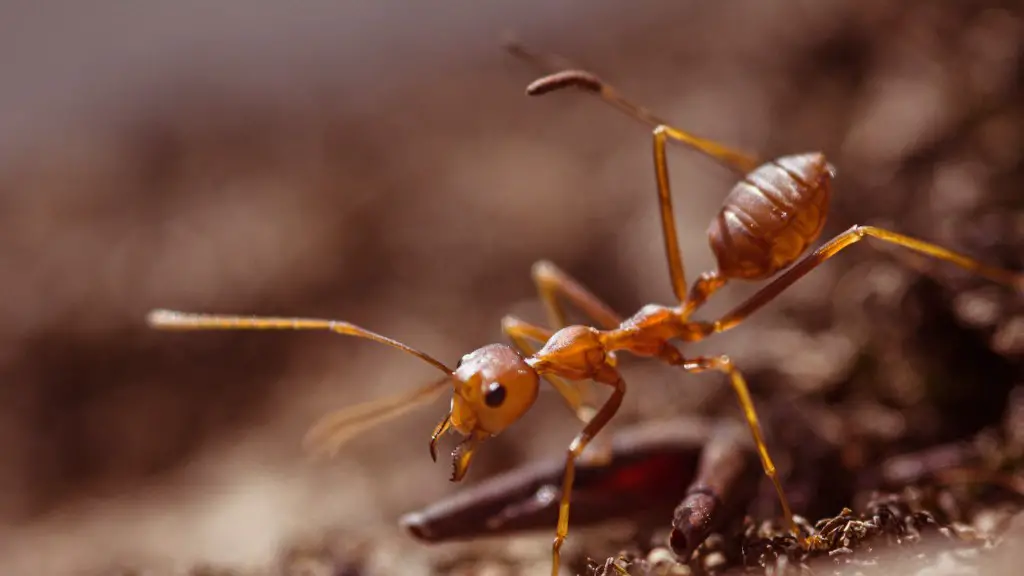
771, 216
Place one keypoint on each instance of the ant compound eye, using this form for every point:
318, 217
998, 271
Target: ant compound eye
495, 395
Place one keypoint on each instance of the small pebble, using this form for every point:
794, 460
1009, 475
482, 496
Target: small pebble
714, 560
661, 555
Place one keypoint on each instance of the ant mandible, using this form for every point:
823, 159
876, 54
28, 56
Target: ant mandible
767, 221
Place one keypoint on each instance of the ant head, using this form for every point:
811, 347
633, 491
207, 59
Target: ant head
494, 387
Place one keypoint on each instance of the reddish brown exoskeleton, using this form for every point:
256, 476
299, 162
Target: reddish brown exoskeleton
771, 217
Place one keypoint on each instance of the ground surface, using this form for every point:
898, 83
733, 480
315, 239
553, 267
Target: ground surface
412, 196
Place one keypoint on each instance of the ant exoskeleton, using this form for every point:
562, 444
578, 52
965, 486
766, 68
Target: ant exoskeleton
771, 217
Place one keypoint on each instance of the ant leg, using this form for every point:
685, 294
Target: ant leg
668, 222
708, 283
844, 240
551, 282
590, 82
521, 333
724, 364
579, 443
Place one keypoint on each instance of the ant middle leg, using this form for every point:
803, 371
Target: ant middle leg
845, 240
552, 282
739, 384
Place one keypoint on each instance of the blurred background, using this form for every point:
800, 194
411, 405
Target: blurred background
380, 163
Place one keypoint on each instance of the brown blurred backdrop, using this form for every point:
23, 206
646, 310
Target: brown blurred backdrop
381, 164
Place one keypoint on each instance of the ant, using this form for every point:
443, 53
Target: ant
768, 220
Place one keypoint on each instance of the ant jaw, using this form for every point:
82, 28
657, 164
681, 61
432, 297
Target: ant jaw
463, 453
439, 430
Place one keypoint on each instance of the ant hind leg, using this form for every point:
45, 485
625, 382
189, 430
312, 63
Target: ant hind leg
845, 240
800, 269
724, 364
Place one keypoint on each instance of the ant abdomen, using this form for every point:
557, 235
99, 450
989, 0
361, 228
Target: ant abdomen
771, 216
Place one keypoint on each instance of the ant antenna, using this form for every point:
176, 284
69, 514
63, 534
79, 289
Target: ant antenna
329, 433
171, 320
336, 428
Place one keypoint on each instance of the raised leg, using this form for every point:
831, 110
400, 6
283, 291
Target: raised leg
563, 74
663, 132
845, 240
579, 444
724, 364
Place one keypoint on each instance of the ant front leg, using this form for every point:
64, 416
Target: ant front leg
845, 240
739, 384
576, 448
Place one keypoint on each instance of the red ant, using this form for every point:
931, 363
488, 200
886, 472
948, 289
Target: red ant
767, 221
